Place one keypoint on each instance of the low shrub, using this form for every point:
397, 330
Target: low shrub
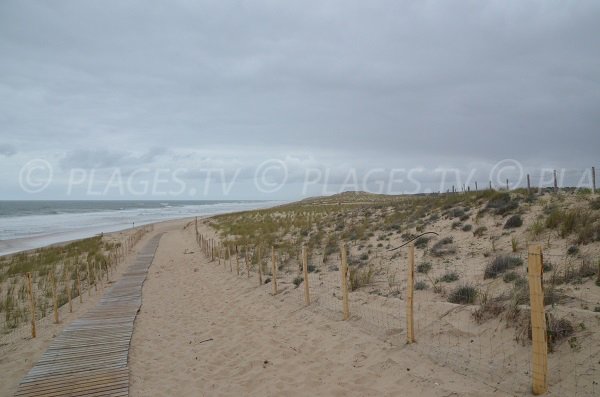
463, 294
297, 281
501, 264
480, 231
467, 228
421, 242
513, 222
510, 277
443, 247
421, 285
424, 267
449, 277
501, 203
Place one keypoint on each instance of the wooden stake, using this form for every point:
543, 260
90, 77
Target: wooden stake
259, 264
274, 271
247, 262
79, 284
344, 277
68, 288
99, 275
31, 303
219, 253
237, 261
539, 344
54, 297
410, 327
555, 183
305, 272
593, 180
528, 185
229, 255
89, 278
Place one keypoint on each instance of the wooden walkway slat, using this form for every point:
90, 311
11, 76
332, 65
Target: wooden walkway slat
89, 358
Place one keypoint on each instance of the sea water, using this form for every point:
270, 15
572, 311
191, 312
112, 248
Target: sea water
32, 224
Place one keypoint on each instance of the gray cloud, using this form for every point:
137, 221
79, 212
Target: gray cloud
392, 83
7, 149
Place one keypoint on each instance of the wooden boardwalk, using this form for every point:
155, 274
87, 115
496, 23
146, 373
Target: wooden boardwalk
89, 358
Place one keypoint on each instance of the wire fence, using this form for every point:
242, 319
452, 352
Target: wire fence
477, 325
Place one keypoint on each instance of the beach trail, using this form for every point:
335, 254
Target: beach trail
90, 356
205, 331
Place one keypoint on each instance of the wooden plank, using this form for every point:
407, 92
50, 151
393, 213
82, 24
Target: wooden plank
89, 358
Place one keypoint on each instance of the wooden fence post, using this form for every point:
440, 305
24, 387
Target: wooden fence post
31, 303
78, 283
593, 180
68, 288
344, 277
247, 262
99, 274
219, 253
229, 255
555, 183
237, 261
89, 278
274, 271
539, 344
305, 272
410, 325
259, 264
54, 297
528, 185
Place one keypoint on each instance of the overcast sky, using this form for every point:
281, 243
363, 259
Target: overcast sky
101, 89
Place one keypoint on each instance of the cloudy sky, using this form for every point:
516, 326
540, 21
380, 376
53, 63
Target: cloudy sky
278, 99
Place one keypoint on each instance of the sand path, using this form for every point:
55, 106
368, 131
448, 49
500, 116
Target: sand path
260, 345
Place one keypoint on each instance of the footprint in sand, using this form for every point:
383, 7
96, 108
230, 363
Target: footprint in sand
358, 360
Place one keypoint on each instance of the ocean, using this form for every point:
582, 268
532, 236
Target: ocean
32, 224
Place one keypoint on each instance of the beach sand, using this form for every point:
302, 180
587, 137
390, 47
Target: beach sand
205, 331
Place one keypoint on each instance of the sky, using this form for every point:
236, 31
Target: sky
284, 99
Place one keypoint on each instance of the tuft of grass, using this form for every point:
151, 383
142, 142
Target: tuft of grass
463, 294
501, 264
514, 244
467, 228
449, 277
537, 228
361, 277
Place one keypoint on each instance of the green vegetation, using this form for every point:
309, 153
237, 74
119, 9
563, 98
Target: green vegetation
514, 222
501, 264
449, 277
463, 294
